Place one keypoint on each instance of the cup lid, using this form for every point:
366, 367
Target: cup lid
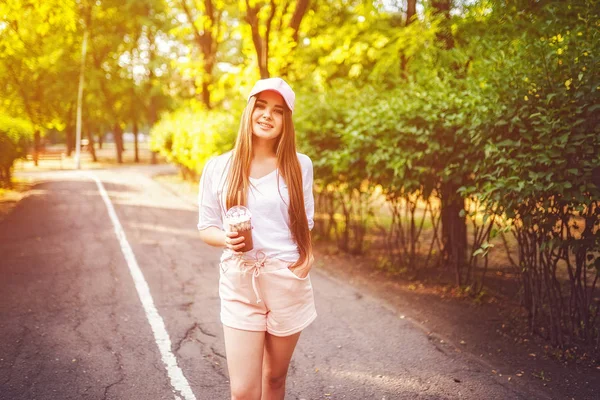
238, 212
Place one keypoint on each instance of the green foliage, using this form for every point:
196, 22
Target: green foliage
189, 138
15, 138
35, 45
541, 142
509, 113
544, 139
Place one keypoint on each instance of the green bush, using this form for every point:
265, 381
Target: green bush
15, 138
189, 138
542, 152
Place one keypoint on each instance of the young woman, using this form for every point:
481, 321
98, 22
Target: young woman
266, 293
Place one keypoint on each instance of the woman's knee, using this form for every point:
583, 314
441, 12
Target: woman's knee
275, 381
245, 393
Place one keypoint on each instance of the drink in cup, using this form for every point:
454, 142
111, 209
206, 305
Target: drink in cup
239, 220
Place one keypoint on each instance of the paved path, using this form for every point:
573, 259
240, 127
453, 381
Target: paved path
77, 323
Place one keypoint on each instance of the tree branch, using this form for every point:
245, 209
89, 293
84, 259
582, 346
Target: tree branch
301, 7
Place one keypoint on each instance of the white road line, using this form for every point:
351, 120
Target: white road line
161, 336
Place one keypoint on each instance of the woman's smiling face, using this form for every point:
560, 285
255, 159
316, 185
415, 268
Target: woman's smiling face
267, 116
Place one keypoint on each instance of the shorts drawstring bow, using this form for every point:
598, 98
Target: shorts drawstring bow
255, 268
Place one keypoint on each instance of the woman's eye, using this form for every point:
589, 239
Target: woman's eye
278, 111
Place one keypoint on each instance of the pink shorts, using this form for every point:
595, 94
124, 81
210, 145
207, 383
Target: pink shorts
263, 294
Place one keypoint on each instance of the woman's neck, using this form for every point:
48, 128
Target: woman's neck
263, 149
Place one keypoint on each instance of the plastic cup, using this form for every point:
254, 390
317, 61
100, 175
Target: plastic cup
239, 219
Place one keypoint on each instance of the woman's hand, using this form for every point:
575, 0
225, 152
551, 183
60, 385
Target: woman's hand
233, 241
302, 270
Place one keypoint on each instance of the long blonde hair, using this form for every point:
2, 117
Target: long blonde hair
238, 182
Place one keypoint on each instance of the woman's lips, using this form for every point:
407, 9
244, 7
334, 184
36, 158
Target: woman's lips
265, 125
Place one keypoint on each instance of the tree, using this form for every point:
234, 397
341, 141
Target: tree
205, 20
454, 227
123, 54
280, 27
35, 51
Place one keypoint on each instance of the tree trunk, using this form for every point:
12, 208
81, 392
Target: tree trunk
6, 176
259, 45
152, 106
444, 35
411, 11
118, 135
454, 229
70, 139
135, 141
70, 130
152, 117
90, 137
295, 21
36, 146
454, 226
207, 43
301, 7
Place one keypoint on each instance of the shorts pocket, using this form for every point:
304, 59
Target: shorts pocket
223, 267
290, 272
226, 264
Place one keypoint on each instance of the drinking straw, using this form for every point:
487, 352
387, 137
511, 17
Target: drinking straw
239, 198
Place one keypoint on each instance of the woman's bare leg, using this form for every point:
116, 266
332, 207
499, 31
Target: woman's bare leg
276, 361
244, 350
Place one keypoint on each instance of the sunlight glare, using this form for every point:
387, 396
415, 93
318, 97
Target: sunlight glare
390, 383
190, 232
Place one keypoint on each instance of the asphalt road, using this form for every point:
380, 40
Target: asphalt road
88, 311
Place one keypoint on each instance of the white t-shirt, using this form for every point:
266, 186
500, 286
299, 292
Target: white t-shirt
267, 203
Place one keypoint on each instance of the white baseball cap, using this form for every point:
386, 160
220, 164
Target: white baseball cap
277, 85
